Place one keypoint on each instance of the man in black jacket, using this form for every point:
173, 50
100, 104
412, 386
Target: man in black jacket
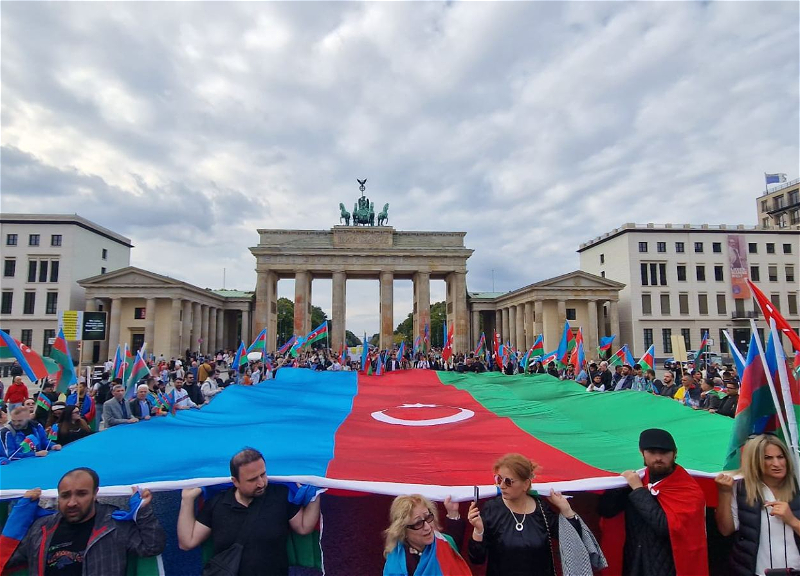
727, 407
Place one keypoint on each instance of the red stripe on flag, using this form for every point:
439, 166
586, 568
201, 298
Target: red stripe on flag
453, 454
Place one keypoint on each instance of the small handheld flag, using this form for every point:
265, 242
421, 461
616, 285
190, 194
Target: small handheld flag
43, 402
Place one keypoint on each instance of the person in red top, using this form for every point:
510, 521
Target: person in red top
16, 394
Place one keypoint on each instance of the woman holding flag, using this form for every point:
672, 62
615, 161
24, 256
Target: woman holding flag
763, 509
414, 543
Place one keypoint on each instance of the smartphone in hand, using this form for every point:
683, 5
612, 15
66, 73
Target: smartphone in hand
477, 495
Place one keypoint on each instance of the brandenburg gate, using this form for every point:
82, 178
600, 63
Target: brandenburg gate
369, 252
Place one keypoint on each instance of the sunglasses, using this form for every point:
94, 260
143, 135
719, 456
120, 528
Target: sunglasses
500, 481
428, 519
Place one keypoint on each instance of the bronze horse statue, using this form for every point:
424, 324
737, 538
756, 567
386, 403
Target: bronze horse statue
344, 215
383, 215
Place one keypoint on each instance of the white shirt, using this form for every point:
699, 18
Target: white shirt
108, 366
210, 388
780, 533
182, 398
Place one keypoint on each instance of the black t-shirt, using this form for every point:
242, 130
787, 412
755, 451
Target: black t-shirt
265, 534
66, 552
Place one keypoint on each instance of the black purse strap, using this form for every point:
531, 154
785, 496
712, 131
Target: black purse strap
549, 535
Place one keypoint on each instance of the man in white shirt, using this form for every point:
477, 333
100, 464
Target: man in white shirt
180, 398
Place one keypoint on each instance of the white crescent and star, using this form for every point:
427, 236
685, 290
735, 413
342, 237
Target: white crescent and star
460, 416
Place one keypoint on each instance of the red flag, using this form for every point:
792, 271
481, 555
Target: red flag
771, 313
448, 347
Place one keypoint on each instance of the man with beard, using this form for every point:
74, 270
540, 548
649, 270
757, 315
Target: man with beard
664, 514
23, 437
254, 513
84, 537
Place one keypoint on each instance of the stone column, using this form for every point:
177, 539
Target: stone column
562, 315
266, 308
506, 334
538, 317
204, 329
302, 303
591, 337
613, 313
194, 345
476, 328
220, 336
150, 324
115, 314
460, 341
338, 305
521, 327
387, 310
186, 329
422, 304
530, 335
512, 325
175, 329
91, 306
498, 323
212, 330
246, 327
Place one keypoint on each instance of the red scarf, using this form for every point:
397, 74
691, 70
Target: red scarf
682, 500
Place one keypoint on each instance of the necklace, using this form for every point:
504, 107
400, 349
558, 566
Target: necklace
519, 523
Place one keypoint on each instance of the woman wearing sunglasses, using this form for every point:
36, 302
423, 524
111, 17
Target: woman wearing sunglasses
514, 530
414, 543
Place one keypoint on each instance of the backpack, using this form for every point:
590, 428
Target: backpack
103, 393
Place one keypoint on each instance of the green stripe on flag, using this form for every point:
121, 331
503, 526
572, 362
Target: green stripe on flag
599, 428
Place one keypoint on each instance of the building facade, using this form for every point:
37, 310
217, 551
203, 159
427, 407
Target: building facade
688, 279
44, 256
779, 207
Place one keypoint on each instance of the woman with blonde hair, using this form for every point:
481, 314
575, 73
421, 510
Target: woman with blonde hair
763, 508
414, 543
514, 531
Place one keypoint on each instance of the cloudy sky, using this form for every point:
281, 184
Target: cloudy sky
531, 126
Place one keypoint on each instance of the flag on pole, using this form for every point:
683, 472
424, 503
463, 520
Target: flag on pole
738, 359
379, 365
44, 402
605, 343
364, 353
648, 361
426, 341
117, 362
771, 313
447, 353
127, 363
704, 348
285, 347
317, 333
241, 357
778, 178
34, 366
796, 367
622, 356
578, 356
565, 345
138, 371
401, 350
298, 344
415, 347
259, 344
60, 354
537, 350
444, 332
481, 345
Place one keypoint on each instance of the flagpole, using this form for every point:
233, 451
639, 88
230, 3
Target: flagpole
768, 374
787, 396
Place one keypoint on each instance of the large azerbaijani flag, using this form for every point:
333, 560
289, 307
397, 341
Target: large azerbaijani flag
409, 431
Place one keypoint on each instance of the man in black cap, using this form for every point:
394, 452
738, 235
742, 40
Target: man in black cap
664, 513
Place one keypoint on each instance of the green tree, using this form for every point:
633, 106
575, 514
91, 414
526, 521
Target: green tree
351, 339
405, 330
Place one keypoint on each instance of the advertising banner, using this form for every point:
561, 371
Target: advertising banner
737, 252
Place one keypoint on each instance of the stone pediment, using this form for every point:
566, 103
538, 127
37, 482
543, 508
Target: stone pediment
130, 276
579, 279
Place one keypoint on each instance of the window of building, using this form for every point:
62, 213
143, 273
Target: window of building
679, 247
647, 305
794, 197
103, 270
602, 274
602, 257
770, 247
31, 270
776, 301
666, 340
55, 240
687, 338
792, 304
49, 336
11, 239
665, 311
51, 306
8, 300
27, 337
662, 271
648, 338
105, 255
29, 303
43, 266
773, 273
722, 304
755, 274
138, 314
681, 272
698, 247
787, 248
790, 273
33, 240
717, 247
683, 304
718, 274
571, 314
661, 246
642, 246
764, 206
643, 271
701, 273
54, 271
765, 222
723, 342
9, 267
794, 217
702, 303
777, 202
752, 248
738, 306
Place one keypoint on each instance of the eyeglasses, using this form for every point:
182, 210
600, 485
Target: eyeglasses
499, 481
428, 519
